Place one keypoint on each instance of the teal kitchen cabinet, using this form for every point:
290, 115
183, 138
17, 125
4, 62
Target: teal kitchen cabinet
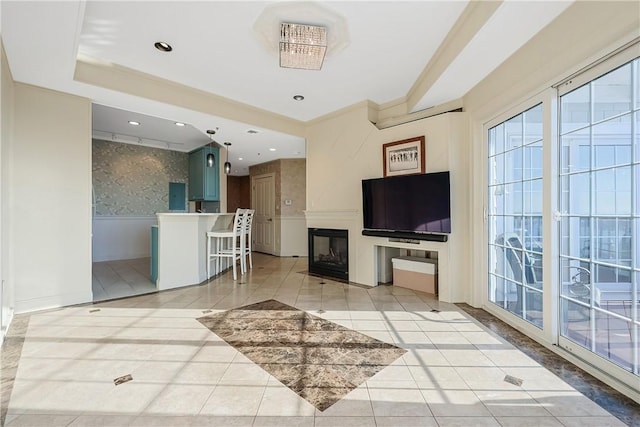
204, 180
154, 254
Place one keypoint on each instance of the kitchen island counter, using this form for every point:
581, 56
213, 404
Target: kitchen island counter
182, 247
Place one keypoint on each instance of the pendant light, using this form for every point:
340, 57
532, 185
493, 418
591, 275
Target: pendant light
211, 159
227, 165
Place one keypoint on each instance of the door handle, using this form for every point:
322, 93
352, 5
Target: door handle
269, 219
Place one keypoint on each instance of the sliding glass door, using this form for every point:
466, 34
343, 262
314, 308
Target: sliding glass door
600, 216
589, 296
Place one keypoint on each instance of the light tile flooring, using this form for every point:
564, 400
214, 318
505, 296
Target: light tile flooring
184, 375
123, 278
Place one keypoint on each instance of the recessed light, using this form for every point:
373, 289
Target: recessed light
240, 158
134, 123
272, 149
298, 97
179, 124
163, 46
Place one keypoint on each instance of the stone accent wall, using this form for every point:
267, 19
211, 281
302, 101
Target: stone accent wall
130, 180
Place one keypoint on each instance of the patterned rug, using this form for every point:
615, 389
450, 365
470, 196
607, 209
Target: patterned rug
318, 359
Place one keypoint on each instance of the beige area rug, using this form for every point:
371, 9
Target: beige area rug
318, 359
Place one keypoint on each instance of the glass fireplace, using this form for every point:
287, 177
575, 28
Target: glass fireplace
329, 253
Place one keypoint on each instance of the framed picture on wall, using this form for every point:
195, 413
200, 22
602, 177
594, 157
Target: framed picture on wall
403, 157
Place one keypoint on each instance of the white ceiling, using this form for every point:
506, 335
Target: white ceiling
220, 48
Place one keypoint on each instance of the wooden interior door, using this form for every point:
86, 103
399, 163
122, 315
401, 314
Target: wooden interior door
263, 194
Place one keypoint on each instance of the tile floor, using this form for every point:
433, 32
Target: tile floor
119, 279
58, 367
316, 358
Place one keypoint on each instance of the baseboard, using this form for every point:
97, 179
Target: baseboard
53, 301
120, 257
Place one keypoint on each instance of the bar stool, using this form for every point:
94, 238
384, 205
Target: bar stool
245, 246
227, 245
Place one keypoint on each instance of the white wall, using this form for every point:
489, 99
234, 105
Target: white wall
122, 237
346, 148
50, 199
293, 235
6, 122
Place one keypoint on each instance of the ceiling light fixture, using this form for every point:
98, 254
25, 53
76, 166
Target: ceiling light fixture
273, 15
211, 158
298, 97
134, 123
227, 165
179, 124
302, 46
272, 149
163, 46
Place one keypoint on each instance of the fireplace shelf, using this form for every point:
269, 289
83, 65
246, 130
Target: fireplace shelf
406, 235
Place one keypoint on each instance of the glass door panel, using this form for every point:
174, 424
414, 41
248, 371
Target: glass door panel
599, 218
515, 215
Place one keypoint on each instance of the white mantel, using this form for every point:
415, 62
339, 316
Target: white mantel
363, 256
334, 187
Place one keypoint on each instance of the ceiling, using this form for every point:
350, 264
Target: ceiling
409, 54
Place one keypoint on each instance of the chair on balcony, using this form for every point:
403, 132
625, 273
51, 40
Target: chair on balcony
519, 261
522, 268
580, 285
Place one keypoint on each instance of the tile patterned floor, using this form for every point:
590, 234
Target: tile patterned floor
319, 360
58, 366
123, 278
616, 403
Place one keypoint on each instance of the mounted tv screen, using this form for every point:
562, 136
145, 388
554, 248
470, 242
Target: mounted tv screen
408, 203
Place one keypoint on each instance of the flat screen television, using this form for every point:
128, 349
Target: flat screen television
414, 204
